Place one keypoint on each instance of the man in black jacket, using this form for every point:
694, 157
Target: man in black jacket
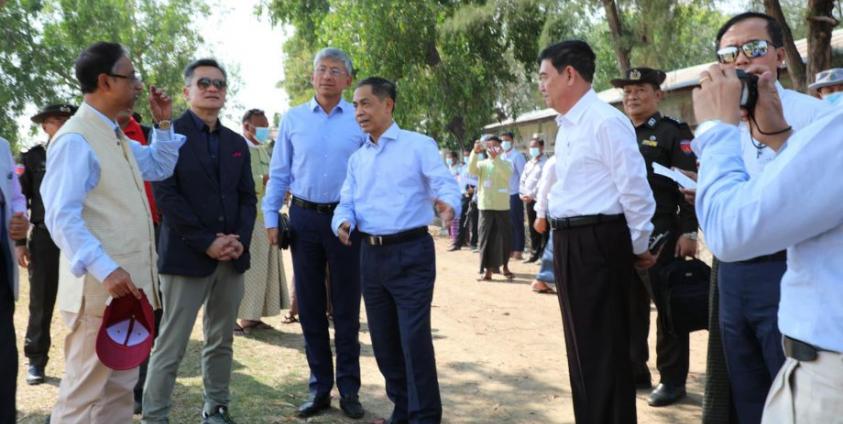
209, 208
39, 255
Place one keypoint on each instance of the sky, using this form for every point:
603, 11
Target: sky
245, 44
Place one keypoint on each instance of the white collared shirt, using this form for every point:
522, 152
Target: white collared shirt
548, 179
600, 170
799, 111
529, 184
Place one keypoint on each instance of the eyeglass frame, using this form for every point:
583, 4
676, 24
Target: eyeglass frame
742, 49
131, 78
334, 72
205, 83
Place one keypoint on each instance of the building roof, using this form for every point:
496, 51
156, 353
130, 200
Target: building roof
676, 80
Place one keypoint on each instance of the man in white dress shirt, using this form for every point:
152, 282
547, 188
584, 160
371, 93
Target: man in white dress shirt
600, 209
795, 205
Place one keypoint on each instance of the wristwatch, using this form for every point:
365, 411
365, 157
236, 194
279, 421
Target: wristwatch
164, 125
692, 236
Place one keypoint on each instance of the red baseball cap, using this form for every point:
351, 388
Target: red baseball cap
126, 334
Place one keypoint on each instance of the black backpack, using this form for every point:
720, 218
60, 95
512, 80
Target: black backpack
687, 283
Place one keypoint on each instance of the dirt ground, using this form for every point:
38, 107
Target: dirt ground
499, 349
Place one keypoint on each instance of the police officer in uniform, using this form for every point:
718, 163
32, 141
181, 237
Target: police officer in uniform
39, 254
666, 141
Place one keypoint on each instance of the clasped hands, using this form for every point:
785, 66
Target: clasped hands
225, 247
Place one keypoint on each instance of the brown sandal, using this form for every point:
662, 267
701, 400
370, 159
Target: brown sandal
289, 319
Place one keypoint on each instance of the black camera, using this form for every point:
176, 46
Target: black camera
749, 89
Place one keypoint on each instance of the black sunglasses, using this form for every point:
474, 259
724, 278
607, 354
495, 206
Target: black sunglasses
750, 49
206, 82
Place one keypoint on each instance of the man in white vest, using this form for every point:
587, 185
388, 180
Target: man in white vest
97, 212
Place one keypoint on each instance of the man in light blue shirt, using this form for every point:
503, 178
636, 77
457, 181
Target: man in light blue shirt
98, 214
309, 160
516, 205
795, 205
392, 183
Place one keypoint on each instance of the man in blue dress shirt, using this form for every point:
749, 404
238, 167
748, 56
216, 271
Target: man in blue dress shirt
392, 182
795, 205
309, 160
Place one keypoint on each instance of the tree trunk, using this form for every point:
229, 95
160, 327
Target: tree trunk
619, 39
821, 23
795, 66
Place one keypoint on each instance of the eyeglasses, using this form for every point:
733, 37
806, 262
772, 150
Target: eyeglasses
133, 78
205, 82
750, 49
334, 72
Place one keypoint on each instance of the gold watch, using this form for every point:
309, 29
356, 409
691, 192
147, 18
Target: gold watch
164, 125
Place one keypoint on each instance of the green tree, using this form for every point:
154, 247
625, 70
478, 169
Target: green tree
158, 35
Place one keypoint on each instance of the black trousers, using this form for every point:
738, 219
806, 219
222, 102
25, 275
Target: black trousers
593, 267
463, 230
672, 348
472, 223
397, 282
8, 351
537, 240
43, 286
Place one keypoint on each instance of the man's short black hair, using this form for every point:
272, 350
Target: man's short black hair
189, 69
137, 117
508, 134
774, 29
493, 138
539, 141
381, 87
251, 113
97, 59
574, 53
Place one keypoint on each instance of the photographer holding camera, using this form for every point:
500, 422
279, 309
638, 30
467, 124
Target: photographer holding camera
794, 204
749, 288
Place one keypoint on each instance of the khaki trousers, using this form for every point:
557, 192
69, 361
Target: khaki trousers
90, 392
807, 392
220, 293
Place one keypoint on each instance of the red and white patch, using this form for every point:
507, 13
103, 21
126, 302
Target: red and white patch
19, 169
685, 145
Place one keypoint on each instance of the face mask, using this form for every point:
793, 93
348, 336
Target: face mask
534, 152
835, 98
262, 134
506, 145
449, 161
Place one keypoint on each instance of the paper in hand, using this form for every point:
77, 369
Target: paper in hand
683, 180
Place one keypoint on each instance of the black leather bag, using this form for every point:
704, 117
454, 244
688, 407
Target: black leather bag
284, 235
688, 283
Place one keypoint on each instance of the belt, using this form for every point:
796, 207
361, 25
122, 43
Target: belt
801, 351
373, 240
583, 221
780, 256
325, 208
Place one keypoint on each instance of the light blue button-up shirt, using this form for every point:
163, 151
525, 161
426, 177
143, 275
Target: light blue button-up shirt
796, 203
518, 162
72, 171
310, 156
391, 185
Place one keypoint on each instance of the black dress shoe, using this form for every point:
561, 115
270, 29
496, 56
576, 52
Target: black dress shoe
34, 375
453, 248
351, 407
314, 405
666, 395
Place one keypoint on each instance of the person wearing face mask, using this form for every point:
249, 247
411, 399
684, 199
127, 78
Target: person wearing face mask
265, 283
495, 227
829, 85
749, 288
527, 189
516, 205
